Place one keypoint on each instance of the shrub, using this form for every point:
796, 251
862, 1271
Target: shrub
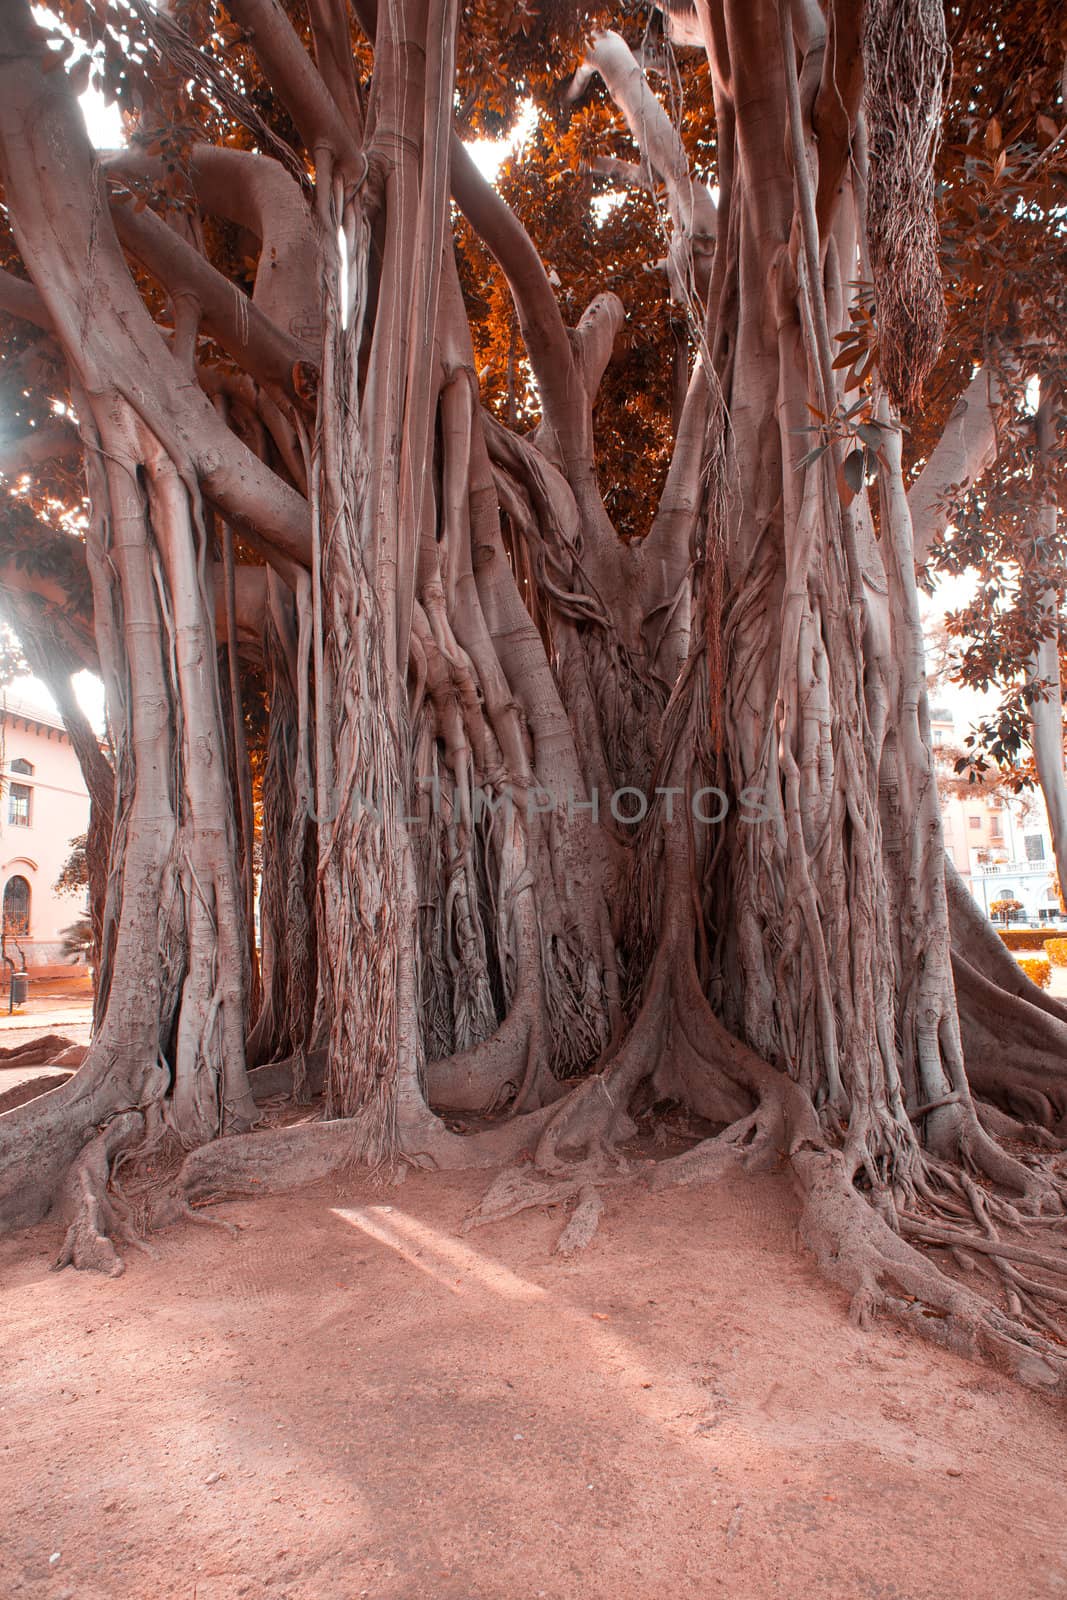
1037, 969
1056, 950
1028, 938
78, 940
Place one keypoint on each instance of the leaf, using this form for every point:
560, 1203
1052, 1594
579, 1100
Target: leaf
1046, 128
870, 433
993, 137
853, 469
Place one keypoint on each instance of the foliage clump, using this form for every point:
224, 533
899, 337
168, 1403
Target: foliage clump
1037, 970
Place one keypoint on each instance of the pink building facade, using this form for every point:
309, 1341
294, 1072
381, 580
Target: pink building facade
43, 806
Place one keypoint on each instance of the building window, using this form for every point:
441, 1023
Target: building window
22, 767
18, 805
1035, 847
974, 822
937, 736
995, 831
17, 906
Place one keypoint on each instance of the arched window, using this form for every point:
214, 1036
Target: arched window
16, 906
23, 767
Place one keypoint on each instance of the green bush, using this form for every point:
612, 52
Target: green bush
1056, 950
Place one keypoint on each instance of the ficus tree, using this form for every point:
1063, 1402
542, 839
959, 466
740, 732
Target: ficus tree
567, 531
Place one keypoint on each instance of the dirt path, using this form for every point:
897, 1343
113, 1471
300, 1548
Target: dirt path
353, 1402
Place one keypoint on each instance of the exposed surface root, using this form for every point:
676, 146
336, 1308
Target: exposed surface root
855, 1246
71, 1057
523, 1188
35, 1052
852, 1223
488, 1075
583, 1224
93, 1215
274, 1160
1016, 1050
1000, 1125
266, 1162
278, 1078
22, 1093
747, 1144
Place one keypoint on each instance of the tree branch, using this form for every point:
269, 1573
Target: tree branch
333, 55
296, 80
837, 102
33, 449
234, 322
62, 226
20, 299
594, 338
965, 450
693, 217
256, 193
540, 320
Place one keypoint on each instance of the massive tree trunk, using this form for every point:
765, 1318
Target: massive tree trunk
175, 1016
661, 817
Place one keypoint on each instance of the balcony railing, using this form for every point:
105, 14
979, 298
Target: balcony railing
992, 869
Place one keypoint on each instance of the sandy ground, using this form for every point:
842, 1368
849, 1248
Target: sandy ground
352, 1401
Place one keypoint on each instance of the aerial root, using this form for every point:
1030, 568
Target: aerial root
93, 1216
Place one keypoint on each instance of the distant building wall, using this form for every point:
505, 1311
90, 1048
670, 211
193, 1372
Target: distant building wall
43, 806
1000, 844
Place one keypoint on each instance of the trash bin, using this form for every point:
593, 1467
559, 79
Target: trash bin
20, 988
